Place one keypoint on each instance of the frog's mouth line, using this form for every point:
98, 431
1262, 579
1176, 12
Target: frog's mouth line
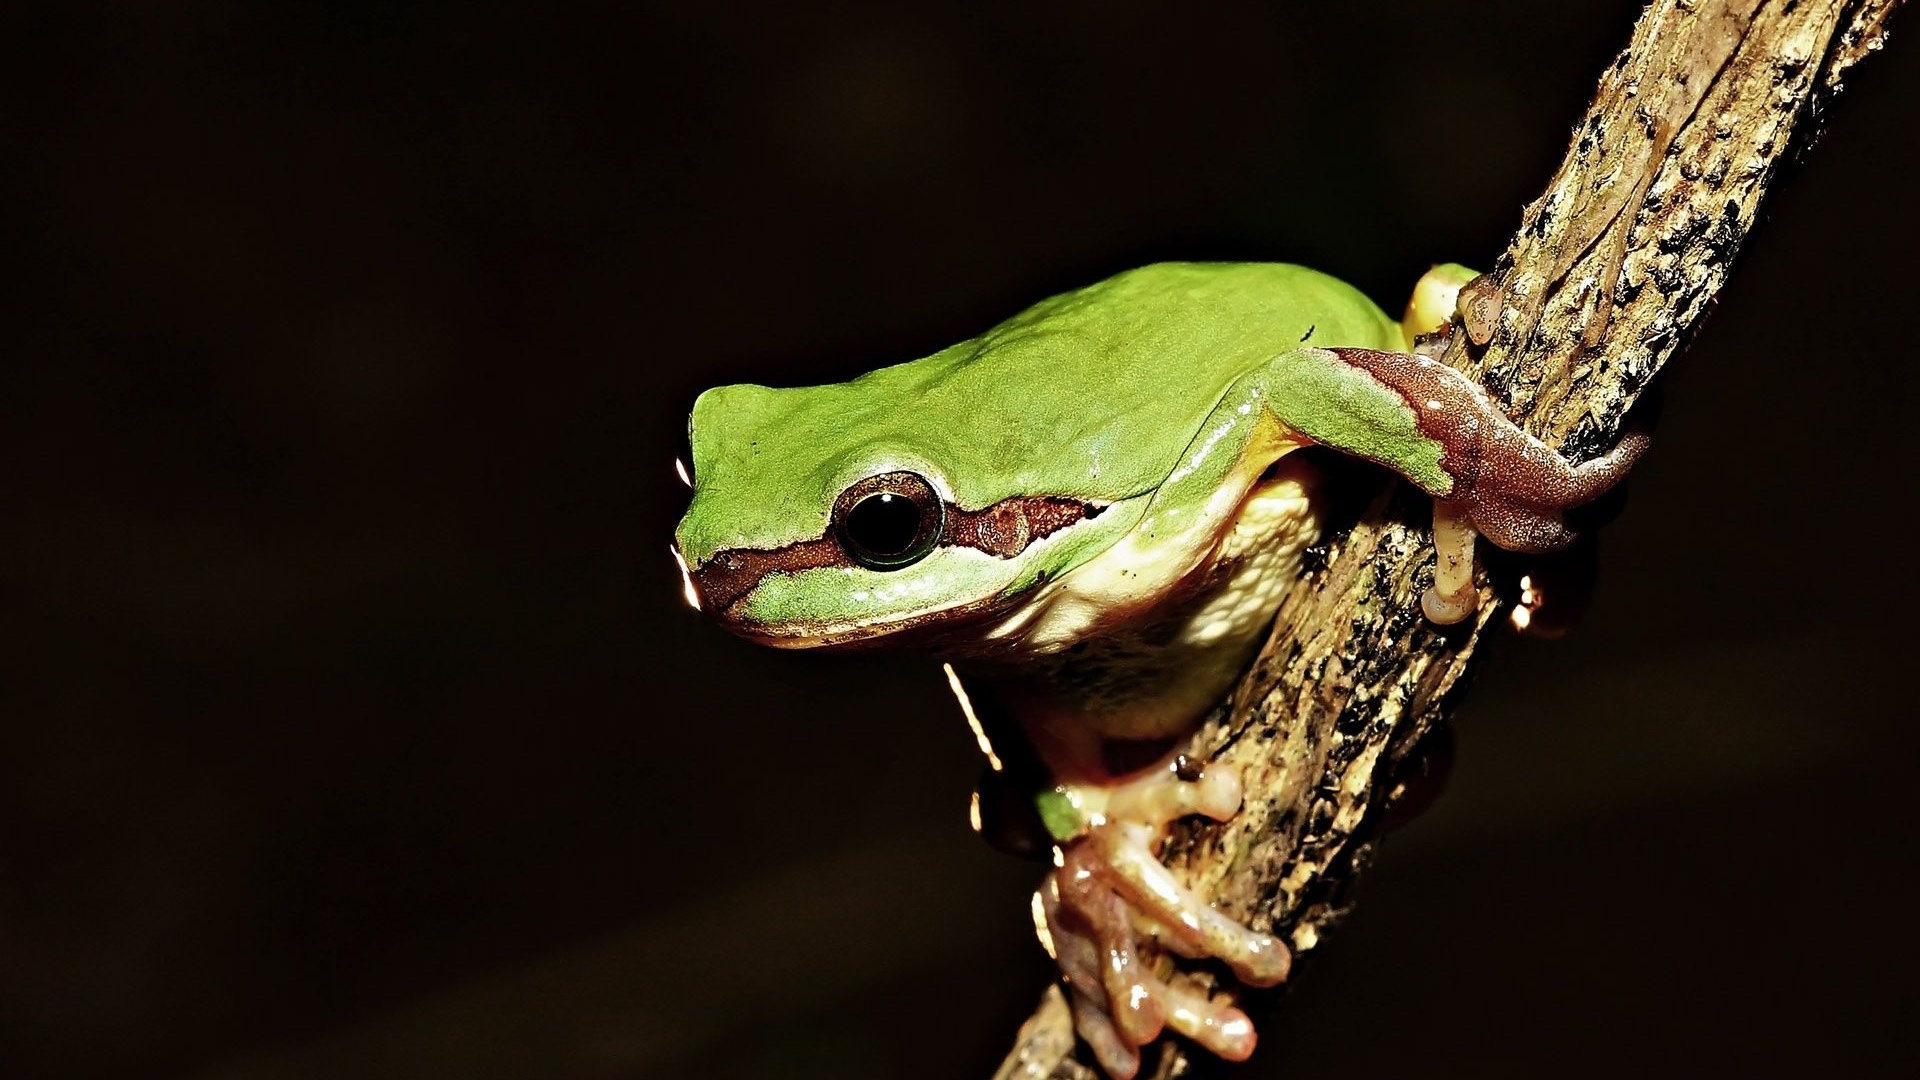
1002, 530
924, 629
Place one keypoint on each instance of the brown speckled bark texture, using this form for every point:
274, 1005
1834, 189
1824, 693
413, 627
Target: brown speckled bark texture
1613, 268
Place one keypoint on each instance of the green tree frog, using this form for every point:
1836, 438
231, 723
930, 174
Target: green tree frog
1091, 513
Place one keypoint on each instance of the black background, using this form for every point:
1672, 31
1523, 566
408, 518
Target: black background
354, 725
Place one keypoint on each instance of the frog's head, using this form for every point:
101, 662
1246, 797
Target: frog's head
822, 516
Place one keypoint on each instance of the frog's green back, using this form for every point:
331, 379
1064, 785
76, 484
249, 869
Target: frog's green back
1092, 394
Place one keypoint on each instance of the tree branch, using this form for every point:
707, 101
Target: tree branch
1612, 270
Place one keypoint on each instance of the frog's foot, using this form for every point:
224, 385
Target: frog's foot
1487, 475
1109, 891
1516, 501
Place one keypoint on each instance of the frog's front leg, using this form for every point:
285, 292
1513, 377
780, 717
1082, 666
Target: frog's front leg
1500, 481
1439, 429
1109, 891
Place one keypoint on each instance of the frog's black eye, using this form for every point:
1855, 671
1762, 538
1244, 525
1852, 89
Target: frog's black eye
888, 521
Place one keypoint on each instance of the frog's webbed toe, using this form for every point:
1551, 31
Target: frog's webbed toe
1109, 893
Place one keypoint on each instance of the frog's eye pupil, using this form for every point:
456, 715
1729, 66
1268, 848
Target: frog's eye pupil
888, 521
885, 524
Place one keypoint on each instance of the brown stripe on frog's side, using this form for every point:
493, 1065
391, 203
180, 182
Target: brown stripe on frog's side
1002, 530
732, 573
1006, 528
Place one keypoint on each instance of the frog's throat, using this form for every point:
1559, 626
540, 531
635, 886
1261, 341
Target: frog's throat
1002, 530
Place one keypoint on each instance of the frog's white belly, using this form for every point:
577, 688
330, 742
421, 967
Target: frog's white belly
1156, 673
1257, 563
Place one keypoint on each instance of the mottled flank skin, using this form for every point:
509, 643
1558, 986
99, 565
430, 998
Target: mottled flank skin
1090, 511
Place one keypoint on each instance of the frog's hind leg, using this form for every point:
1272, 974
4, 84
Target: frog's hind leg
1109, 891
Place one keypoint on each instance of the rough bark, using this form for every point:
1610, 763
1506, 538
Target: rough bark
1613, 268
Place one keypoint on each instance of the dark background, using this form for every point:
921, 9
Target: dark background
354, 726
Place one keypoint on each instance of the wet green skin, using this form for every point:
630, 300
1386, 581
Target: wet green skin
1101, 394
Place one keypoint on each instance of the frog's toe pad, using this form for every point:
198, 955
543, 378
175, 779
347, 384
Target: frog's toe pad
1109, 892
1446, 610
1118, 1005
